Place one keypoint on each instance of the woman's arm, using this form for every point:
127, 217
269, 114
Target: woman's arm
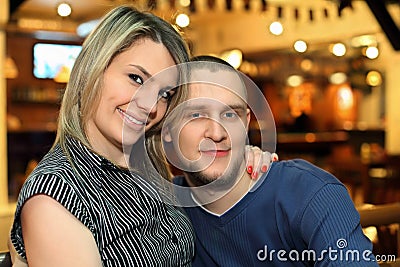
54, 237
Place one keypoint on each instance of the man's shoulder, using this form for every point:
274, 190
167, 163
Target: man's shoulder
307, 171
179, 180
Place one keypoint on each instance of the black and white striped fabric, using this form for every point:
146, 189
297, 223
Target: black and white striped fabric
130, 227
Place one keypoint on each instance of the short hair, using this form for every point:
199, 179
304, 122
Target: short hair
209, 58
214, 64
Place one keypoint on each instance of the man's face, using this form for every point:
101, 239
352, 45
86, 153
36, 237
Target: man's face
211, 130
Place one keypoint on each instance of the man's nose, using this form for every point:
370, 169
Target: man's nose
215, 130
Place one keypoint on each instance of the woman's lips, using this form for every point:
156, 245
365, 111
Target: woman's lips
132, 121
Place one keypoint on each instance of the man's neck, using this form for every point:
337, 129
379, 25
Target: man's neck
229, 199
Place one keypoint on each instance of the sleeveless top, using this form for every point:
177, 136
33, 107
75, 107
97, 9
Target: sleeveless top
130, 227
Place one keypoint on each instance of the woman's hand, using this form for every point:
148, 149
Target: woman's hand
258, 161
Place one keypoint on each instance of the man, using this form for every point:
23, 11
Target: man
294, 215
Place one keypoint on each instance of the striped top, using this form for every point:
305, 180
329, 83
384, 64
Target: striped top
130, 227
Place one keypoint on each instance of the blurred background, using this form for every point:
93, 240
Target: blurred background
329, 70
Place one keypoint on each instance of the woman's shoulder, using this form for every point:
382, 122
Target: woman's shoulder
55, 177
52, 176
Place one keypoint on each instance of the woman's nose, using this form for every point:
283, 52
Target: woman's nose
146, 99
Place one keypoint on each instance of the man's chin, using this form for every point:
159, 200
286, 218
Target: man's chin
212, 176
215, 180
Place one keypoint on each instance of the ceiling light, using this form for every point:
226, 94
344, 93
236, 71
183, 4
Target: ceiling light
371, 52
294, 80
182, 20
276, 28
233, 57
338, 49
364, 40
64, 10
184, 3
373, 78
338, 78
300, 46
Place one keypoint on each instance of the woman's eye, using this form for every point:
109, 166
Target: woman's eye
166, 94
136, 78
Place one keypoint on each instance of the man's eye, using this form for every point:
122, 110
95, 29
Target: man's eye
230, 115
136, 78
197, 115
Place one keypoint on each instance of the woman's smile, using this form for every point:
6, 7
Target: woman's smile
131, 121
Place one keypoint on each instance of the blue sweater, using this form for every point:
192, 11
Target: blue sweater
296, 215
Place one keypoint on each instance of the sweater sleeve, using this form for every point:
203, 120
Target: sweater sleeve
54, 187
331, 227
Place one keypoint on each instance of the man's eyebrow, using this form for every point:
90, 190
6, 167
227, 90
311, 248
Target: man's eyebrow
238, 106
201, 106
196, 106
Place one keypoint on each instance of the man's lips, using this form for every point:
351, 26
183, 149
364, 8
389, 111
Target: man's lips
216, 153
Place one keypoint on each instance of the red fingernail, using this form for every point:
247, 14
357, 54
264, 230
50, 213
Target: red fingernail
254, 175
250, 169
264, 168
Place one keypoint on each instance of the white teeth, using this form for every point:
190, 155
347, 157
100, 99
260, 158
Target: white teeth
132, 119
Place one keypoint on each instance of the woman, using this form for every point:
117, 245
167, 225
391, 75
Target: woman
82, 206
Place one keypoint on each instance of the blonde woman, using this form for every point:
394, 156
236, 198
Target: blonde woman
80, 206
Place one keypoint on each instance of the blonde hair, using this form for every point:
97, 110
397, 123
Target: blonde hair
118, 30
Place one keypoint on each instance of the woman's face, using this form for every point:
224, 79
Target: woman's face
124, 111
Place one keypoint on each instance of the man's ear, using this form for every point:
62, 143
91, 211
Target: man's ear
248, 117
166, 135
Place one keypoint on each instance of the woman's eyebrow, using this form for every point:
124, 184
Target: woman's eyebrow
145, 72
